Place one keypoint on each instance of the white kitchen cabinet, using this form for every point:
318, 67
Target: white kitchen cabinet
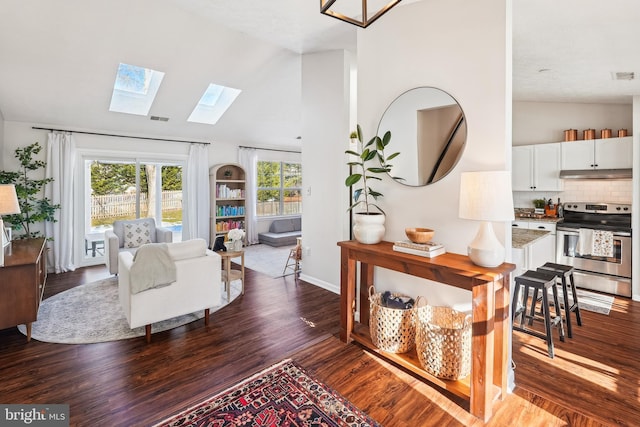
609, 153
537, 167
534, 255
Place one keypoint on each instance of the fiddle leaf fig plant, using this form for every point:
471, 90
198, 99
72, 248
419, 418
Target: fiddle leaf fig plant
34, 208
362, 172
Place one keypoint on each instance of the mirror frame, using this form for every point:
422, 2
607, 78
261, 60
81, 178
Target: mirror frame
426, 144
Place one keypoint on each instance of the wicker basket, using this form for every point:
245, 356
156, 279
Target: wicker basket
443, 341
392, 330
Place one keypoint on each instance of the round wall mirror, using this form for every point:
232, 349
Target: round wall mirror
429, 130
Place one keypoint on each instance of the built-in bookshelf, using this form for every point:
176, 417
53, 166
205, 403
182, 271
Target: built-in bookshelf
227, 185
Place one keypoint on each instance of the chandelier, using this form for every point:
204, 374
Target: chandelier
348, 10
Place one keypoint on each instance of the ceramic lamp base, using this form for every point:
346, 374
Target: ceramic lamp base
486, 250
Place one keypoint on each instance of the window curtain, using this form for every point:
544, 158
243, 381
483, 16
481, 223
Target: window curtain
196, 194
61, 160
248, 158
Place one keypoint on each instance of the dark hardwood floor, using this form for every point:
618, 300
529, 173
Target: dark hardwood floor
592, 381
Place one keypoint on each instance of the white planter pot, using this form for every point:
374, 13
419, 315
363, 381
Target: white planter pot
368, 229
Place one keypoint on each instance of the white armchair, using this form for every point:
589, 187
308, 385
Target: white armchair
197, 286
128, 235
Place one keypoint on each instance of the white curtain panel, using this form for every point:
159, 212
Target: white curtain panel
196, 194
248, 158
61, 160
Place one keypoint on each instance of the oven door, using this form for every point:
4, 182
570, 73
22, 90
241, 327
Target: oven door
611, 275
617, 265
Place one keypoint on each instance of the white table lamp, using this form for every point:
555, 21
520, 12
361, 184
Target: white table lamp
8, 206
486, 196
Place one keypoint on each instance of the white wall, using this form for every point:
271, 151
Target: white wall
635, 220
3, 154
326, 124
422, 45
540, 122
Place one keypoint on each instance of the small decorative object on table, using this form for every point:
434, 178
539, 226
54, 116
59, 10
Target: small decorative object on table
228, 173
419, 235
236, 236
428, 249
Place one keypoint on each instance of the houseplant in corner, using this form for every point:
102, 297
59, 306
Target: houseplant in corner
369, 222
34, 208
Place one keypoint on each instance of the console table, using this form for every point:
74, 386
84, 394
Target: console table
490, 304
22, 281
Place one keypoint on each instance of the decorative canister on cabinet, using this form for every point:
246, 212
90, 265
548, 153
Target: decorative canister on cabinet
589, 134
605, 133
622, 133
571, 134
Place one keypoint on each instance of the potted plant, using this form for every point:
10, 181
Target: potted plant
33, 207
369, 222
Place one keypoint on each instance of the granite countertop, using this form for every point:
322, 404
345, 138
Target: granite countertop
521, 238
552, 219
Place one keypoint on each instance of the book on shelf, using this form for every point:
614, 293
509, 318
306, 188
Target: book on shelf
429, 246
428, 254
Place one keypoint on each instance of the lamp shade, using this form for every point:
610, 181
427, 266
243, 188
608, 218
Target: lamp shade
486, 196
8, 200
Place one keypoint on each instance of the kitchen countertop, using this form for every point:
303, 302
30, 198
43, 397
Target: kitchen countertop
543, 219
521, 238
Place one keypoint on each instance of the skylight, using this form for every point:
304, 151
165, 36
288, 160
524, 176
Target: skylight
135, 89
215, 101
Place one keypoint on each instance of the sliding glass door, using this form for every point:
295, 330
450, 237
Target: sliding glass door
123, 189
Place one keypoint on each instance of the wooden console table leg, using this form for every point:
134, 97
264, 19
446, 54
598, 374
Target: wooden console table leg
347, 294
366, 280
482, 341
28, 331
501, 343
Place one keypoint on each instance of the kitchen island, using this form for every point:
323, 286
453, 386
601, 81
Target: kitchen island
531, 248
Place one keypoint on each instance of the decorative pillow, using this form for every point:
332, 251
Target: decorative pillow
137, 234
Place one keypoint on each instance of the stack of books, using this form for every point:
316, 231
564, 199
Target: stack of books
428, 250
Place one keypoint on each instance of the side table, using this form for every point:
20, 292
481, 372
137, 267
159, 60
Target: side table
229, 275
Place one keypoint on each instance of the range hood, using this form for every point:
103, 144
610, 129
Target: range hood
597, 174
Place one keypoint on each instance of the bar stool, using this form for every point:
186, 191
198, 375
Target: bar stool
538, 281
563, 272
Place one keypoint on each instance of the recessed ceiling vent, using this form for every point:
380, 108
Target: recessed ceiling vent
160, 119
629, 75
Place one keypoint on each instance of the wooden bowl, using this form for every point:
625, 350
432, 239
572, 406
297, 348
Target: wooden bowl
419, 235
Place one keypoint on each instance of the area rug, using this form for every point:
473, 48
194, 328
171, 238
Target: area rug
267, 259
590, 301
282, 395
92, 313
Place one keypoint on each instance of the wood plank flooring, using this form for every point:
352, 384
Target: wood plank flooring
592, 381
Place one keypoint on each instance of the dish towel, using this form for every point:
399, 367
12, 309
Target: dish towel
602, 243
585, 241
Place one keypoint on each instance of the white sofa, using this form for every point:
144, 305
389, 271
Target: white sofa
114, 240
197, 286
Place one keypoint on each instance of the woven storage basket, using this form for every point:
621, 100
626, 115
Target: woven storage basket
443, 341
392, 329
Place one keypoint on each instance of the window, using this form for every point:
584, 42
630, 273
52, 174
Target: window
135, 89
214, 102
279, 189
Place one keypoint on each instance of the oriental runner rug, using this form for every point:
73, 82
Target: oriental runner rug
282, 395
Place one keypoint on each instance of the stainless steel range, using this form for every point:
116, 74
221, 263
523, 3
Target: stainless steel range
597, 269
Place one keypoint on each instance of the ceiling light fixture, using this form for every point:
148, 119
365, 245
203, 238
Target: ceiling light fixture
348, 11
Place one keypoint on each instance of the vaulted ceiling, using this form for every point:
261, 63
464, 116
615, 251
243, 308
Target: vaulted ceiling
58, 59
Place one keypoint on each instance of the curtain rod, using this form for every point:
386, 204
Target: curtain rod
122, 136
271, 149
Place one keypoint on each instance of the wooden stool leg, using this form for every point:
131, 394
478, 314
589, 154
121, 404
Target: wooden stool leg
558, 312
514, 303
567, 306
547, 322
534, 303
575, 300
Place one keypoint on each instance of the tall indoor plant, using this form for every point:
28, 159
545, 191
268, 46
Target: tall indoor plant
34, 208
369, 222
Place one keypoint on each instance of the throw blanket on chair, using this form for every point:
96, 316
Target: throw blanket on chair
152, 268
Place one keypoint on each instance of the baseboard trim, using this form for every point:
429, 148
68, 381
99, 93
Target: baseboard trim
321, 283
